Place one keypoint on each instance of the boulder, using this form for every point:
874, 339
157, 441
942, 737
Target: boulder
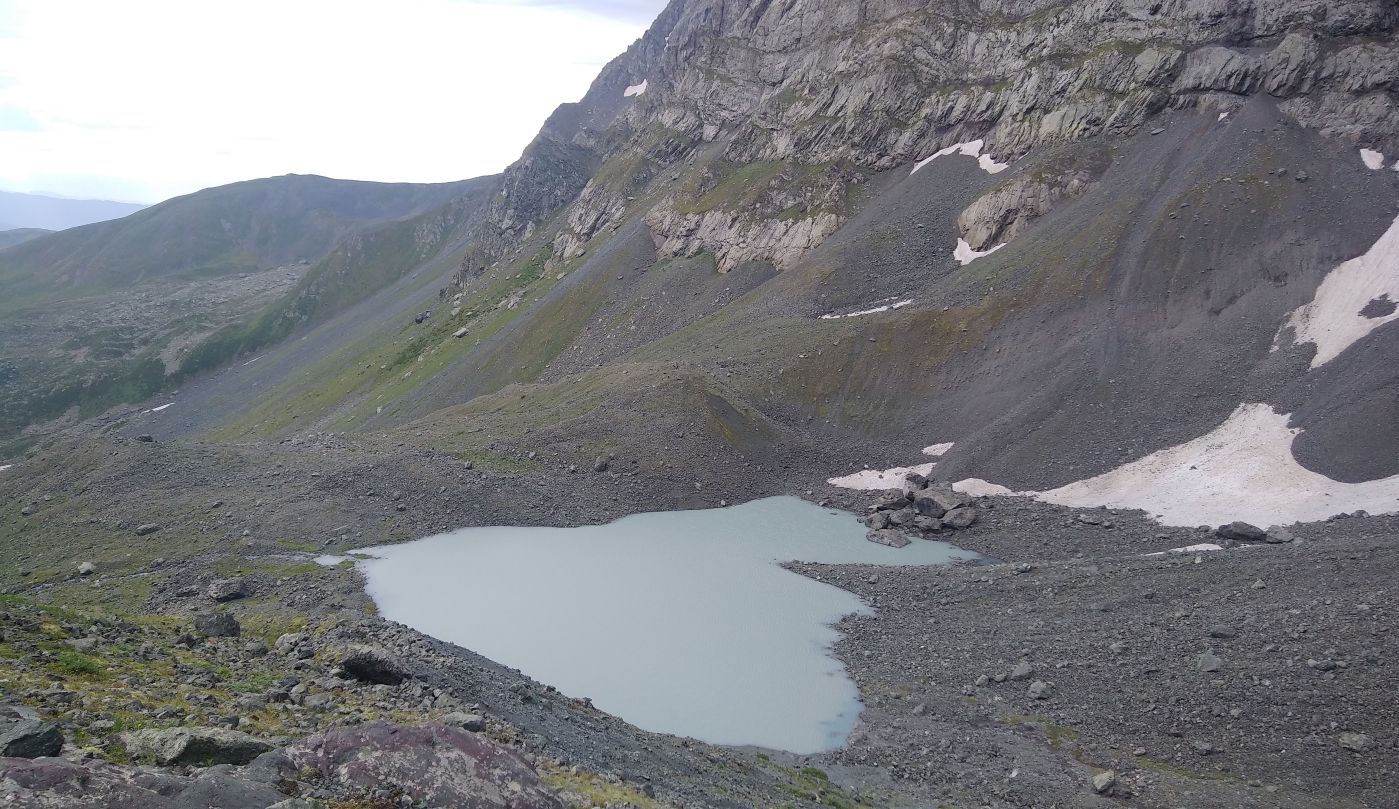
1208, 662
892, 537
24, 735
1022, 671
146, 529
1355, 742
198, 747
960, 517
216, 625
473, 722
87, 569
372, 665
432, 764
936, 501
904, 516
930, 524
1104, 781
892, 499
601, 465
1040, 689
878, 520
1241, 532
228, 589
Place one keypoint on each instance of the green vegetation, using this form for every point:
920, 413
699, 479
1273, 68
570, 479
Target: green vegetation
596, 790
78, 665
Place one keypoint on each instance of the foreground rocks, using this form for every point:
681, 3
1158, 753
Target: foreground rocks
430, 764
24, 735
922, 507
375, 764
194, 746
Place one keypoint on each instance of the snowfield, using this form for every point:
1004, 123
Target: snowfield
1333, 320
970, 149
966, 255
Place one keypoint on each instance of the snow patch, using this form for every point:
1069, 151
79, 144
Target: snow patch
1202, 547
1372, 159
885, 308
162, 407
1332, 320
253, 360
1241, 470
938, 450
970, 149
976, 487
6, 466
1223, 115
966, 255
635, 89
877, 479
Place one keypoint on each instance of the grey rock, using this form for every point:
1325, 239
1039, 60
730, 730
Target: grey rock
87, 569
466, 721
1355, 742
1103, 781
1022, 671
84, 645
1208, 662
372, 665
962, 517
601, 465
1223, 632
1241, 532
146, 529
904, 516
892, 537
929, 524
935, 501
878, 521
216, 625
24, 735
199, 747
228, 589
1040, 689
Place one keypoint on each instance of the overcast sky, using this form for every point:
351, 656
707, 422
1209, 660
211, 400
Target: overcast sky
141, 100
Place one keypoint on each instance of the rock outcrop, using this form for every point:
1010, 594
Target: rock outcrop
194, 746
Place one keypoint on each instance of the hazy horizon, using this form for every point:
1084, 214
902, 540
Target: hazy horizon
156, 99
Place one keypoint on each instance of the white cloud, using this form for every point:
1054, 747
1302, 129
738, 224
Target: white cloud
163, 97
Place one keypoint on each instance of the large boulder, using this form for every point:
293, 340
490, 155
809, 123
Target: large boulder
24, 735
961, 517
216, 625
936, 501
892, 537
434, 765
228, 589
51, 783
200, 747
372, 666
1241, 532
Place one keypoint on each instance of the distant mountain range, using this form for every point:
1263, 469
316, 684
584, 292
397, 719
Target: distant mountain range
10, 237
57, 213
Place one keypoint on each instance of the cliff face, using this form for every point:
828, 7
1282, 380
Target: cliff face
877, 84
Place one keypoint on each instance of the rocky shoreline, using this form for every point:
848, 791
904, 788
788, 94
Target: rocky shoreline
1019, 681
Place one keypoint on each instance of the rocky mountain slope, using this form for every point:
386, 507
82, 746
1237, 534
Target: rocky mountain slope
1133, 254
